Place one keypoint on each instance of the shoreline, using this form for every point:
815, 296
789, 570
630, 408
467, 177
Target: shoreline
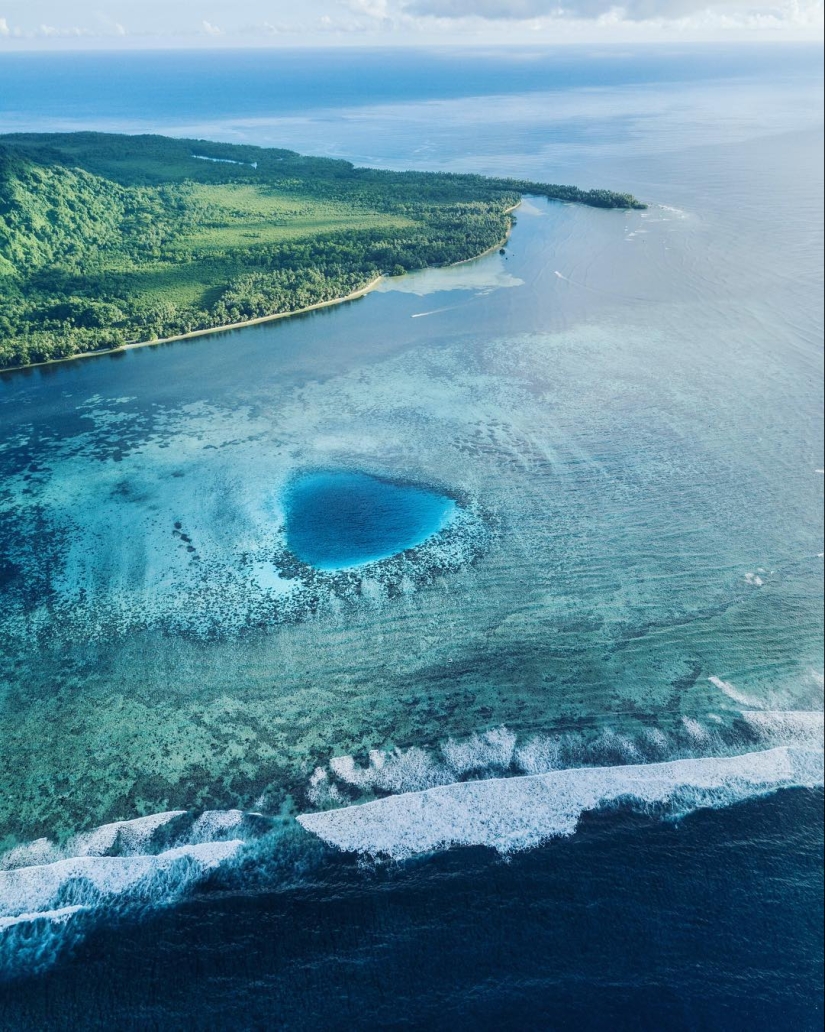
361, 292
494, 247
199, 333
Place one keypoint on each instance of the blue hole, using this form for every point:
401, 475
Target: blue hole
336, 520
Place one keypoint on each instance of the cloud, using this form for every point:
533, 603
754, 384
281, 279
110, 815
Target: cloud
377, 9
34, 23
53, 31
629, 10
49, 31
512, 10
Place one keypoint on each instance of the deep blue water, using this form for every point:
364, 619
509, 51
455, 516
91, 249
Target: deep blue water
633, 925
153, 88
629, 409
336, 520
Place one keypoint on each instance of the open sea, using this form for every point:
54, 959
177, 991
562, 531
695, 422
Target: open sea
532, 735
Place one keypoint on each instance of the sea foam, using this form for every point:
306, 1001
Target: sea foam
511, 814
50, 893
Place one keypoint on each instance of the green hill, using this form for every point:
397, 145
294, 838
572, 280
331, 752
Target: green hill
107, 239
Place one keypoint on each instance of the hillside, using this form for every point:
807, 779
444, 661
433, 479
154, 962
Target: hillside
107, 239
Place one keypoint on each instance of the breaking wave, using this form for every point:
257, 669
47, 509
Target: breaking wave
491, 789
499, 752
510, 814
51, 894
521, 794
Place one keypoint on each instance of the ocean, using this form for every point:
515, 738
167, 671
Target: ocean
558, 763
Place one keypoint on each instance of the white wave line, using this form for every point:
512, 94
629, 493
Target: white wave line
34, 890
58, 916
511, 814
734, 693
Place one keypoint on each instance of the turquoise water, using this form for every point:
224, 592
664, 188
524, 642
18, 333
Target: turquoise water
625, 603
335, 521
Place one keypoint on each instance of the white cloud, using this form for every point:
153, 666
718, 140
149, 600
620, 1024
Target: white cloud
377, 9
101, 23
52, 31
613, 10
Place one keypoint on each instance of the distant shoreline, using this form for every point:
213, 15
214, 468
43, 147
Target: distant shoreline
354, 295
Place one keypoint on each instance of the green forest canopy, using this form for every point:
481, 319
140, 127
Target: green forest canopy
108, 239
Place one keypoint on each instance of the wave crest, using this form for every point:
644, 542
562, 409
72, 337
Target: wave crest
49, 894
511, 814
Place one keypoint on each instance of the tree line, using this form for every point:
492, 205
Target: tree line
101, 244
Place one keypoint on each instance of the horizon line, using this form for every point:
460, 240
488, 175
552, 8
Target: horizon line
210, 46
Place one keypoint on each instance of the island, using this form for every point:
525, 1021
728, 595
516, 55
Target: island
109, 240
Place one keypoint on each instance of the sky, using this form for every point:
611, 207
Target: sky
112, 24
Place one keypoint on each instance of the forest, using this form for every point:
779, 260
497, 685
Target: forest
108, 239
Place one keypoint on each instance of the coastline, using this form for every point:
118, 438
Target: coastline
354, 295
495, 247
199, 333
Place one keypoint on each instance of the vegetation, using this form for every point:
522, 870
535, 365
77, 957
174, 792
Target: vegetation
107, 239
